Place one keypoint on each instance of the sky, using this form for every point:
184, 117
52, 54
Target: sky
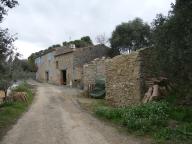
39, 24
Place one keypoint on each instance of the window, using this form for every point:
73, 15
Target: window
50, 56
57, 64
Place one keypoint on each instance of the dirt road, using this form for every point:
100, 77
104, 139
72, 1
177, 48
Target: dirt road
56, 118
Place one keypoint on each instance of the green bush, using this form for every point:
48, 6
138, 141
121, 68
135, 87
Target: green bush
109, 113
164, 134
146, 116
182, 133
182, 114
23, 87
153, 118
143, 117
11, 111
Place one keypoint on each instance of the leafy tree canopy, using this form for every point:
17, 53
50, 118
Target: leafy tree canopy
5, 5
6, 48
83, 42
130, 36
6, 40
172, 37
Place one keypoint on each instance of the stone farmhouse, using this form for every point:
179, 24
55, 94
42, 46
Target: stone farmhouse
64, 65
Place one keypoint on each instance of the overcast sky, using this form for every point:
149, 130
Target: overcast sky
41, 23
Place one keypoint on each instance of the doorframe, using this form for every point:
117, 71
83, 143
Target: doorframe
47, 76
64, 77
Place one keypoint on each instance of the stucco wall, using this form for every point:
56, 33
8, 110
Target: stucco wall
45, 64
127, 75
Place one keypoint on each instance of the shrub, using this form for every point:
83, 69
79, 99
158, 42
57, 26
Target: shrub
23, 87
146, 116
143, 117
109, 113
182, 114
179, 134
11, 111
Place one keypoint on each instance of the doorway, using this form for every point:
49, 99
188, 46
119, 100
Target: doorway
64, 77
47, 76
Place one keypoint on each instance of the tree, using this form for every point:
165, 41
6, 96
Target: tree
83, 42
172, 37
6, 47
102, 39
87, 40
31, 62
6, 75
130, 36
65, 43
5, 5
5, 39
54, 46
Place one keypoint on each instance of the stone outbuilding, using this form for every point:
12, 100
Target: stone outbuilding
92, 71
127, 77
64, 66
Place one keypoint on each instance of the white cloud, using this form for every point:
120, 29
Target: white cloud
46, 22
27, 48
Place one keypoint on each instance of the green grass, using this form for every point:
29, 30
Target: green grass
182, 134
10, 112
144, 118
163, 121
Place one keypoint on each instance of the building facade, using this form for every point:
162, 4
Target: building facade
64, 66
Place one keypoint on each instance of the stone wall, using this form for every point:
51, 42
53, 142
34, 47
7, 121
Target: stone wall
92, 71
89, 75
88, 54
65, 63
126, 77
70, 60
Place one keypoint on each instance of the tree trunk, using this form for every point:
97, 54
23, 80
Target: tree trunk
5, 91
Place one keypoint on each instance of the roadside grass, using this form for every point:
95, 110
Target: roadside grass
164, 122
11, 111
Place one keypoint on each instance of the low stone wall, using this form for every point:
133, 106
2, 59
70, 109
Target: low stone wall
89, 75
92, 71
126, 77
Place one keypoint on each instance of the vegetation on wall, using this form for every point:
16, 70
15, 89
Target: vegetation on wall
83, 42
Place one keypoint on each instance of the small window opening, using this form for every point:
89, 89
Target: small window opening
57, 64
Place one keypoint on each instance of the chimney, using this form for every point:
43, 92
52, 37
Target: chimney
72, 46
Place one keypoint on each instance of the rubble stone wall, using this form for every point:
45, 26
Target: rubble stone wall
92, 71
126, 77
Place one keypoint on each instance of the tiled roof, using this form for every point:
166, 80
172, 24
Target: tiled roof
63, 50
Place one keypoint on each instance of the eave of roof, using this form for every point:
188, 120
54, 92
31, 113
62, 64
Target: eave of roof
48, 51
63, 51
